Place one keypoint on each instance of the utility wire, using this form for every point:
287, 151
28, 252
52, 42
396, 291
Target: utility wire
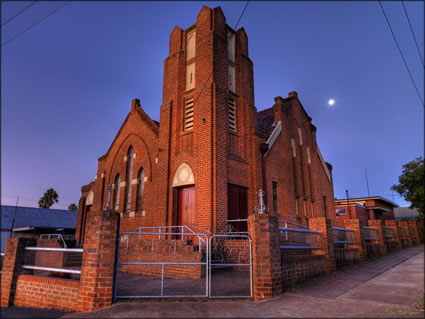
237, 23
34, 24
18, 13
401, 53
413, 34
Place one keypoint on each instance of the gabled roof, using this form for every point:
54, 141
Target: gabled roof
37, 217
360, 199
265, 121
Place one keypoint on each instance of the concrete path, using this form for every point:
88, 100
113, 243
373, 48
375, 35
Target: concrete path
387, 287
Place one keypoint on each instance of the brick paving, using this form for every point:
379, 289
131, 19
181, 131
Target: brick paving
331, 286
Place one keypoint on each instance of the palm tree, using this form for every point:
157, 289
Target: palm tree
49, 198
72, 207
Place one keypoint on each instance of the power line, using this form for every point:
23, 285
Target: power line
404, 60
413, 34
34, 24
18, 13
237, 23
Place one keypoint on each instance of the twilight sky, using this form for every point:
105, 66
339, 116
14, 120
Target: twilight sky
68, 82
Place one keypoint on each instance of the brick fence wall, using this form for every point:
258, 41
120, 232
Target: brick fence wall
46, 292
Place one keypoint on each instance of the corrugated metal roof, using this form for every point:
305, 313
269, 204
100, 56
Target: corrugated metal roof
37, 217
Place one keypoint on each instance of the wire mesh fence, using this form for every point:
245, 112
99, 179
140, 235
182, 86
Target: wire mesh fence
343, 237
161, 263
230, 266
370, 233
53, 261
388, 233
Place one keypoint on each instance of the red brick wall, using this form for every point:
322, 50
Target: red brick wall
45, 292
344, 256
300, 268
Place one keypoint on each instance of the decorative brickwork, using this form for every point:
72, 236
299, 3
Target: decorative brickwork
45, 292
324, 226
266, 258
357, 226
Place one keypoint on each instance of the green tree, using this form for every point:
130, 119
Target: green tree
72, 207
411, 184
49, 198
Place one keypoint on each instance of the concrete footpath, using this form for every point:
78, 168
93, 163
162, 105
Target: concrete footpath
388, 287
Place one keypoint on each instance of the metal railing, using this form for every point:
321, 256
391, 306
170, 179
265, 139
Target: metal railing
57, 236
232, 229
163, 231
343, 236
401, 231
65, 268
370, 233
388, 232
412, 231
297, 238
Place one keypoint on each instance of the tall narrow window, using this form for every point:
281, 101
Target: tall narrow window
300, 136
232, 115
294, 154
312, 209
140, 186
304, 208
325, 206
188, 114
129, 173
102, 194
296, 206
116, 201
274, 184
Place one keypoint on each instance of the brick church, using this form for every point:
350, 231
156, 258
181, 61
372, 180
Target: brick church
204, 162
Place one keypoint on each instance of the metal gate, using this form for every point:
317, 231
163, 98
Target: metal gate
175, 261
161, 262
230, 266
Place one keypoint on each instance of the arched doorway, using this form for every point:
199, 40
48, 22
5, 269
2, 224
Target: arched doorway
184, 196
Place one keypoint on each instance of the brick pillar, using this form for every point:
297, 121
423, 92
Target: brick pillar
324, 226
393, 225
421, 230
13, 259
97, 269
356, 225
266, 258
414, 225
405, 225
380, 235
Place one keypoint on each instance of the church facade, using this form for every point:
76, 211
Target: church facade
204, 162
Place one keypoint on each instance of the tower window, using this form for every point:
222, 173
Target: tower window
232, 115
188, 114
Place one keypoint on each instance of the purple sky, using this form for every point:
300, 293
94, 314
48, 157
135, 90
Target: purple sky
67, 84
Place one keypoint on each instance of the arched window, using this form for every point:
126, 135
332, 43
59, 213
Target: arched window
103, 191
140, 186
127, 203
116, 200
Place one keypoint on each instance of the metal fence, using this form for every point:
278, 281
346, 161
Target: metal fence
230, 266
53, 261
370, 233
296, 236
343, 237
388, 233
401, 232
163, 262
411, 231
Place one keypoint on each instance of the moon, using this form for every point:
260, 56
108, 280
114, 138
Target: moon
331, 102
